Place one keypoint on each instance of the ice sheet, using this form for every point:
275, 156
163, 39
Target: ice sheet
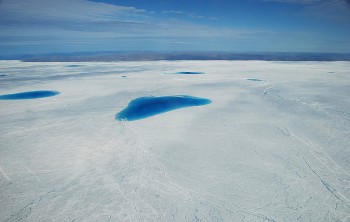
271, 150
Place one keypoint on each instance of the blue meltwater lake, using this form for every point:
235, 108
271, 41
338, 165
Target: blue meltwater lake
144, 107
29, 95
254, 79
190, 73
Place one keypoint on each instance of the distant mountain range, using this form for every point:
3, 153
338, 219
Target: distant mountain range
156, 56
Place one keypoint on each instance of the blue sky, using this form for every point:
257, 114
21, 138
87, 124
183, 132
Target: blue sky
51, 26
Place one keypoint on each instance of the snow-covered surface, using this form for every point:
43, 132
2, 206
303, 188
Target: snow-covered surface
270, 150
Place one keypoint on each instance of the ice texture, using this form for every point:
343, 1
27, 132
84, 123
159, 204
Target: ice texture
275, 150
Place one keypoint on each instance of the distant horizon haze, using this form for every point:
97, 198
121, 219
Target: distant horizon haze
178, 55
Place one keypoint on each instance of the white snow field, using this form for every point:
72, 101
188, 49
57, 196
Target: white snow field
270, 150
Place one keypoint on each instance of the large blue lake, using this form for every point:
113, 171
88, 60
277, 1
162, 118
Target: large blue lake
144, 107
29, 95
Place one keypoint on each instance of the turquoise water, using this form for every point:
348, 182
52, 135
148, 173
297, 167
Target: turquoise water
29, 95
190, 73
144, 107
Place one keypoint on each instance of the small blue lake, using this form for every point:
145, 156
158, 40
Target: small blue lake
73, 66
254, 79
29, 95
190, 73
144, 107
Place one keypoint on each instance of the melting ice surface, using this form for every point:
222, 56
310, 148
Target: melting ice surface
29, 95
144, 107
254, 79
190, 73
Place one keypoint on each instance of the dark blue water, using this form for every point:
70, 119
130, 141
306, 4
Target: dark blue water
29, 95
144, 107
2, 75
253, 79
190, 73
73, 66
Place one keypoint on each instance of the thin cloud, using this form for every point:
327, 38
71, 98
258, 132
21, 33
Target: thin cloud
173, 12
188, 14
81, 20
64, 10
304, 2
338, 10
